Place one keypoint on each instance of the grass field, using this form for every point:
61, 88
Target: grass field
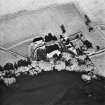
99, 61
24, 25
21, 26
55, 88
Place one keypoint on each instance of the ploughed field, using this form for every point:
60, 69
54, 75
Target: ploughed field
54, 88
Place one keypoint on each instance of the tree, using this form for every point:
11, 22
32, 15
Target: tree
15, 66
1, 68
97, 47
63, 29
9, 69
29, 61
20, 63
88, 21
88, 44
90, 29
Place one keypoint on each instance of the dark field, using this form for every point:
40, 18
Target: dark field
54, 88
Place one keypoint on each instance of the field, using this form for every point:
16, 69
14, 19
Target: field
16, 28
99, 61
